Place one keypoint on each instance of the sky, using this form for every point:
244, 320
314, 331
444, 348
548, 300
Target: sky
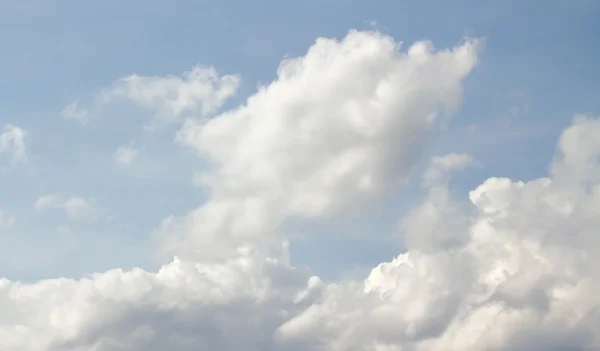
315, 175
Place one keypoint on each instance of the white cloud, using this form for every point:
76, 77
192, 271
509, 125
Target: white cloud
521, 275
438, 222
6, 220
515, 268
199, 90
157, 311
74, 111
442, 165
580, 150
75, 207
12, 142
126, 154
525, 278
339, 126
196, 93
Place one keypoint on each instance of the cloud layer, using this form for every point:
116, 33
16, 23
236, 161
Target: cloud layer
512, 266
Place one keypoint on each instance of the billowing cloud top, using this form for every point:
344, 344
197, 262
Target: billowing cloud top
513, 269
338, 127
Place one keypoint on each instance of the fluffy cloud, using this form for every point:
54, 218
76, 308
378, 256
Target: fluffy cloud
200, 91
75, 207
339, 126
512, 267
12, 142
521, 277
524, 278
137, 310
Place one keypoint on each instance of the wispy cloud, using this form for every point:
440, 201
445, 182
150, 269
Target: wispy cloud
75, 207
6, 220
196, 93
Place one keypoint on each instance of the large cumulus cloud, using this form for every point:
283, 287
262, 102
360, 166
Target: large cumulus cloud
337, 128
514, 267
515, 270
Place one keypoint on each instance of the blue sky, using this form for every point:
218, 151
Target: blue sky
539, 68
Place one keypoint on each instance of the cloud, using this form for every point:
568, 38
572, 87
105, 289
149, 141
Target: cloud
512, 266
524, 278
74, 111
75, 207
519, 273
168, 302
6, 220
199, 92
580, 152
126, 154
438, 222
442, 165
12, 142
341, 125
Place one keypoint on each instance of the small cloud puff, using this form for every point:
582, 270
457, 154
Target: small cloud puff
74, 111
125, 154
12, 143
75, 207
